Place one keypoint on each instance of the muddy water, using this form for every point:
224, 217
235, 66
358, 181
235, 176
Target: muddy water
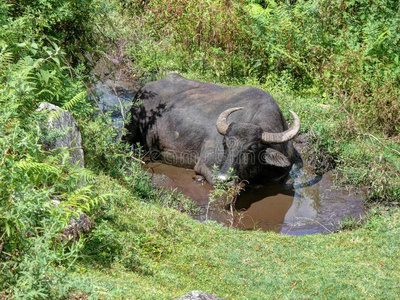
309, 204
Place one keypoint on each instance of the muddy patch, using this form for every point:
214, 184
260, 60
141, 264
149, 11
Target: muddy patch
309, 204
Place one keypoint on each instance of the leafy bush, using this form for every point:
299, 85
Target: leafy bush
209, 36
345, 49
68, 23
34, 254
30, 224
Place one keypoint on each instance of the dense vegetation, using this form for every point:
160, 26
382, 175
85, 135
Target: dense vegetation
34, 69
335, 62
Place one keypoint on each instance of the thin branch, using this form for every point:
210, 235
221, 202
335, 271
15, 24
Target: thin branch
120, 103
138, 160
315, 221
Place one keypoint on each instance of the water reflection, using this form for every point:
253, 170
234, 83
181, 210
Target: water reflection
302, 207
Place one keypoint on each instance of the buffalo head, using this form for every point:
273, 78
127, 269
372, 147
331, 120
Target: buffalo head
248, 149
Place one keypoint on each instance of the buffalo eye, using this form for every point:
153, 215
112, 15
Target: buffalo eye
253, 148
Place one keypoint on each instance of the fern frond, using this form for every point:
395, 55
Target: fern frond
103, 198
37, 168
82, 194
55, 114
81, 199
24, 66
6, 58
23, 71
75, 100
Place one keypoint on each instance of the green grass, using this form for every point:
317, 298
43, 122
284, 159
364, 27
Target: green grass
175, 254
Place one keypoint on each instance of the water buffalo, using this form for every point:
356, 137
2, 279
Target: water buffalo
184, 123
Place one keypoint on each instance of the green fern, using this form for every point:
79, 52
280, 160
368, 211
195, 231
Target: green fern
37, 167
23, 69
87, 175
74, 101
6, 59
81, 199
33, 70
69, 105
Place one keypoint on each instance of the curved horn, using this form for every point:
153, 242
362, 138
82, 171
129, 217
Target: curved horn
222, 125
281, 137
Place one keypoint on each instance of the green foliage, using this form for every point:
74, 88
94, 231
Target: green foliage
102, 148
68, 23
227, 189
223, 196
186, 34
126, 236
30, 224
34, 255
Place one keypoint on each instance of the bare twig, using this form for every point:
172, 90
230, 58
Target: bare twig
120, 103
315, 221
138, 160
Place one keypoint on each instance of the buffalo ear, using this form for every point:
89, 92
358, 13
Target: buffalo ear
275, 158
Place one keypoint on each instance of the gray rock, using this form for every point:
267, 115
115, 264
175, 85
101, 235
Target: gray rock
62, 132
68, 136
198, 295
77, 226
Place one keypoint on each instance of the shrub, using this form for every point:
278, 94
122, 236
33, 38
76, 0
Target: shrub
68, 23
34, 256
